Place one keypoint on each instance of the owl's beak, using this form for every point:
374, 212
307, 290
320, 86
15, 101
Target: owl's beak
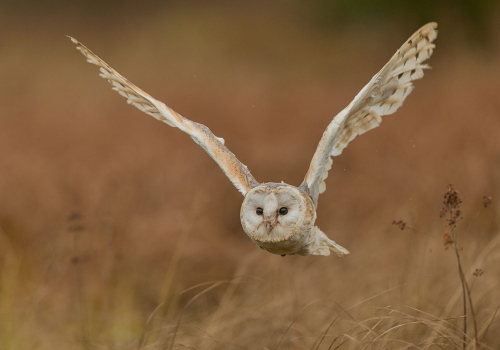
270, 225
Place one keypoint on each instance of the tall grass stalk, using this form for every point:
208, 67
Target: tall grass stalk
76, 227
451, 211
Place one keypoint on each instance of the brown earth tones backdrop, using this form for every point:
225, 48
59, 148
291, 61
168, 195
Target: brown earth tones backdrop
118, 232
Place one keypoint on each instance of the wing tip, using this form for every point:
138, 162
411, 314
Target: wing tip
433, 25
76, 42
429, 26
431, 29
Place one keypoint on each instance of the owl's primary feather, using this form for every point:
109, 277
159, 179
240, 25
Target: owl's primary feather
237, 172
383, 95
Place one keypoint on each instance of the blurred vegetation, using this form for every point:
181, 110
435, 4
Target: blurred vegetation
118, 232
472, 11
475, 15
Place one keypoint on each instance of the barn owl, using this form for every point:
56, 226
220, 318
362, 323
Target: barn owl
278, 217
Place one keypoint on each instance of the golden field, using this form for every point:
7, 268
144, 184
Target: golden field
118, 232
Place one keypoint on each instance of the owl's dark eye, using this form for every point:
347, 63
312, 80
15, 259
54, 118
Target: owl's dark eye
259, 211
283, 211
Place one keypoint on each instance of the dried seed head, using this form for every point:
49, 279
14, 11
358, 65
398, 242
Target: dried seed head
451, 209
447, 240
478, 272
400, 223
452, 199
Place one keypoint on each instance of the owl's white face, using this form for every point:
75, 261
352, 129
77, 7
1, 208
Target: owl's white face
273, 213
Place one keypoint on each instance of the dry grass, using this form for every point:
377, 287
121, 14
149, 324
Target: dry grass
117, 232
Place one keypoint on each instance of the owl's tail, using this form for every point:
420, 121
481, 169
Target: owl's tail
324, 245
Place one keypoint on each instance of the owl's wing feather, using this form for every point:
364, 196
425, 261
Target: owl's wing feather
237, 172
383, 95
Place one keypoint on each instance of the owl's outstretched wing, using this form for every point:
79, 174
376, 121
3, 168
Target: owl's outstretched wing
237, 172
383, 95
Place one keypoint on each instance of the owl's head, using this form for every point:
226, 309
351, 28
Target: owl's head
275, 212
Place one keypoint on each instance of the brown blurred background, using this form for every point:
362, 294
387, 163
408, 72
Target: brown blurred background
105, 213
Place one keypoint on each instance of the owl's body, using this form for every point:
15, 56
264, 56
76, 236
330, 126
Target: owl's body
285, 223
278, 217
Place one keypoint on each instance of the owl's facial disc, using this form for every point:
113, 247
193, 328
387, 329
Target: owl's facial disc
272, 212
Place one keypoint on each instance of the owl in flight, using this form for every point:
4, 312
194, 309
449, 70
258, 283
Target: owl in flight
279, 217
